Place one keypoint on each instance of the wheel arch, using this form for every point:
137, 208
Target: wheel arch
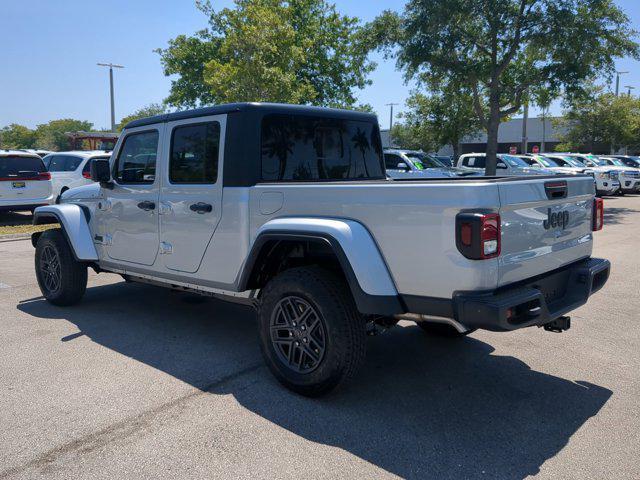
74, 222
341, 244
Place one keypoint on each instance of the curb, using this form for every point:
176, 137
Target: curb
14, 237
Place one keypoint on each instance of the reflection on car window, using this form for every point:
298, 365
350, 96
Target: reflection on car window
426, 161
137, 159
392, 160
63, 163
194, 153
513, 161
299, 148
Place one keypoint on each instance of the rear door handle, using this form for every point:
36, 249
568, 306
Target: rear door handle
201, 208
147, 206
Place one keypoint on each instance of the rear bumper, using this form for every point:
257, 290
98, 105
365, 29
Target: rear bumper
537, 301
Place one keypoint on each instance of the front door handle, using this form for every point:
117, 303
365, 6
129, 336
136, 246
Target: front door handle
147, 206
201, 208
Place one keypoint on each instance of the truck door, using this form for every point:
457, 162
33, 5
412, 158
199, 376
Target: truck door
191, 193
129, 214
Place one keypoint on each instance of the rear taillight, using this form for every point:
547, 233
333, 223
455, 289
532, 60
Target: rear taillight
86, 175
597, 219
478, 235
44, 176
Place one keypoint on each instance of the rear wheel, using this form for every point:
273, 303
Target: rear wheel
61, 278
443, 330
311, 335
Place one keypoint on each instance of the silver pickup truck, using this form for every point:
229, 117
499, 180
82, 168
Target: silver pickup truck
287, 208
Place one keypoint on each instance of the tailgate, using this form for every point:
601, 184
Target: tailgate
21, 179
546, 223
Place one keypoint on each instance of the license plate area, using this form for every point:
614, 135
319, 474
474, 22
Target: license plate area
554, 287
18, 184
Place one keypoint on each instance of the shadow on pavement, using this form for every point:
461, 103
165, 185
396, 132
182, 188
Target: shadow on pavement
15, 218
421, 407
616, 215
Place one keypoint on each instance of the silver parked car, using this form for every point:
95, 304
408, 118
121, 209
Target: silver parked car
408, 164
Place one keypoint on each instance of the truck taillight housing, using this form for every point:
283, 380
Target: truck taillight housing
597, 219
478, 235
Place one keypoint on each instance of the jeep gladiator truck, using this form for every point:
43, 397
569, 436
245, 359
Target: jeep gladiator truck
287, 208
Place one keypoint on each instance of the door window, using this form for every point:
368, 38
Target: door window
194, 153
137, 158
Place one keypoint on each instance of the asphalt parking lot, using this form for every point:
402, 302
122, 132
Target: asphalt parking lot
139, 382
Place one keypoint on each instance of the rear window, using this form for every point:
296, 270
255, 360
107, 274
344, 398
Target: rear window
16, 166
300, 148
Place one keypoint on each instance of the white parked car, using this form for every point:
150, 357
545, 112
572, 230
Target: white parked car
508, 165
71, 169
629, 176
607, 180
24, 181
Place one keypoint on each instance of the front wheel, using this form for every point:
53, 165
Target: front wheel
61, 278
311, 334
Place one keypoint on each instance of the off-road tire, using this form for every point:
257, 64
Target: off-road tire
344, 328
71, 275
443, 330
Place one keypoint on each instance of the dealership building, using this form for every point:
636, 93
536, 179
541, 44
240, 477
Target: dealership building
509, 138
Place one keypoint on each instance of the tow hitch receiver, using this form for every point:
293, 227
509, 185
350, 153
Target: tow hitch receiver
559, 325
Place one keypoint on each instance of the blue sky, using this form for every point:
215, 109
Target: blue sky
50, 49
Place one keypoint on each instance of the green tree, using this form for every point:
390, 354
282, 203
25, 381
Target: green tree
148, 111
601, 119
443, 118
502, 49
295, 51
17, 136
51, 136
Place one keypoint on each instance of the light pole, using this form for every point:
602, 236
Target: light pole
629, 88
618, 81
113, 112
391, 114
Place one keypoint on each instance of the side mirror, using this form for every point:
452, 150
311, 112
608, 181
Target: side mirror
101, 172
402, 166
501, 165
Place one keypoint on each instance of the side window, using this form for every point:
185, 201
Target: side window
72, 163
56, 163
474, 162
194, 153
391, 161
304, 148
137, 158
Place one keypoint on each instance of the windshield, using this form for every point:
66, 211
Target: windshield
617, 162
422, 161
546, 161
513, 161
574, 162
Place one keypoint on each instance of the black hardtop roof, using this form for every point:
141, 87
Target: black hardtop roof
264, 108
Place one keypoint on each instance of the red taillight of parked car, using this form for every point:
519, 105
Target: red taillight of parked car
87, 175
44, 176
598, 214
478, 235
